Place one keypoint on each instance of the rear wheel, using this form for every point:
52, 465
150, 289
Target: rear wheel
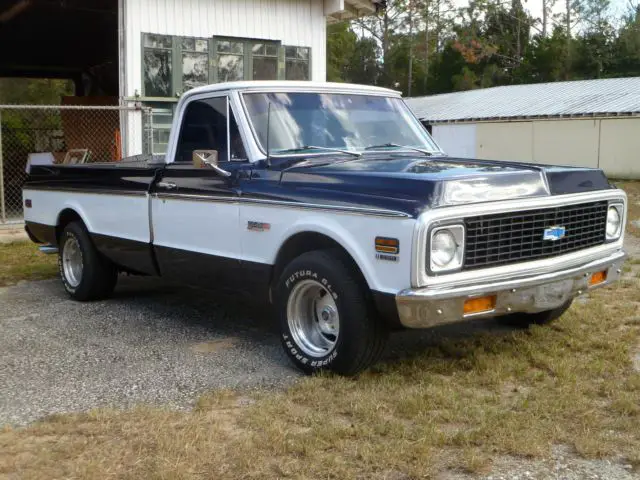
525, 320
326, 319
85, 273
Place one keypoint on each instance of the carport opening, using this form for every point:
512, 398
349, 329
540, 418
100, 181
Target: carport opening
56, 52
64, 39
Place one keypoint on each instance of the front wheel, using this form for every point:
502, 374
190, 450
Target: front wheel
326, 319
85, 273
525, 320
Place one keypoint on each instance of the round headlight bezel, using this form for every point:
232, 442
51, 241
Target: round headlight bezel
454, 235
615, 209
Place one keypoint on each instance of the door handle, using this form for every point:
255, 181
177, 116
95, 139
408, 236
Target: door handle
167, 185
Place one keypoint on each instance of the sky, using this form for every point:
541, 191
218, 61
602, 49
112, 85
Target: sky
618, 7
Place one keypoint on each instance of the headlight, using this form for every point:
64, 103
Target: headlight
614, 222
443, 248
447, 248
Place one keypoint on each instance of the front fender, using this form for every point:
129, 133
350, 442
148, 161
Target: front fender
339, 234
355, 232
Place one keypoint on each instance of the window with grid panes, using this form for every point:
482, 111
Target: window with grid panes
296, 63
195, 62
161, 119
230, 60
264, 57
173, 65
157, 65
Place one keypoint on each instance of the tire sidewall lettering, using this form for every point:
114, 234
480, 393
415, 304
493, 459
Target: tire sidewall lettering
306, 274
295, 352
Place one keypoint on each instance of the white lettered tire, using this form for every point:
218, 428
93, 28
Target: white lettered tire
327, 320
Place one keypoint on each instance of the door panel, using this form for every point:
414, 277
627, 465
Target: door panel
195, 212
195, 225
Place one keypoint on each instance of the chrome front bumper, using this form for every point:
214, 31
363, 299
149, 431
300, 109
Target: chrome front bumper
428, 307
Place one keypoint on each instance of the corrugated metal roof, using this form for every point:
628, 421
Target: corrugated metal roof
613, 96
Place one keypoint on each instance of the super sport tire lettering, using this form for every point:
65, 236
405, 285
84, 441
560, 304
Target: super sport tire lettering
362, 334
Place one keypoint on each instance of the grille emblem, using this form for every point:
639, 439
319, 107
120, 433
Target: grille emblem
554, 234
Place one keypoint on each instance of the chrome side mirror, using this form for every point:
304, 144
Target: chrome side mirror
200, 158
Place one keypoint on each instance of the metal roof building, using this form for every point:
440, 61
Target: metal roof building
592, 123
614, 96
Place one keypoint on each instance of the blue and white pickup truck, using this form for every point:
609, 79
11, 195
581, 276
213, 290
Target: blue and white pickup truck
333, 203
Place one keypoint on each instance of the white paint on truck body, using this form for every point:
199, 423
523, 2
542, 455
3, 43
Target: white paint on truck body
221, 228
118, 215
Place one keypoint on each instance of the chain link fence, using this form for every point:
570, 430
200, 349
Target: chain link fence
32, 135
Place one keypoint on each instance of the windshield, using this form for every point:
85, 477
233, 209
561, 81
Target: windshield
330, 120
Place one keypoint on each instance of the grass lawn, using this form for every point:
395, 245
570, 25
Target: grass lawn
453, 407
23, 261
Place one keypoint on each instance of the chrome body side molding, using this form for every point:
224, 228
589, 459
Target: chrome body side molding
87, 191
232, 199
282, 203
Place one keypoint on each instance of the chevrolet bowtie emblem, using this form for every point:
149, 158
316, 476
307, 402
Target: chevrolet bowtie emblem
554, 234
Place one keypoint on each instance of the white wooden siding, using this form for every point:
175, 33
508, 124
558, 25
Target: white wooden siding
299, 23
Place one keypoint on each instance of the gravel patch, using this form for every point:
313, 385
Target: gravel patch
562, 465
151, 343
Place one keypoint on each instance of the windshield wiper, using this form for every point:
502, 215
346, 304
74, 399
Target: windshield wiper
416, 149
315, 147
311, 163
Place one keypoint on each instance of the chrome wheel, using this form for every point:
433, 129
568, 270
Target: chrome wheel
72, 261
313, 318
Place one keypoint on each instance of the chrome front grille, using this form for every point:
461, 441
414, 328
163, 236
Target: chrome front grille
507, 238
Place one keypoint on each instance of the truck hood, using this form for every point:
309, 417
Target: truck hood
414, 183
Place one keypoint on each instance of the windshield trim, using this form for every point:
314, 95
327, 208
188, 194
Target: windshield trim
261, 148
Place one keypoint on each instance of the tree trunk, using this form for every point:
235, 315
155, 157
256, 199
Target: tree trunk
410, 76
568, 67
426, 47
516, 11
384, 43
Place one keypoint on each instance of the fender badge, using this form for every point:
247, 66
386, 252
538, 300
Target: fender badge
258, 226
388, 258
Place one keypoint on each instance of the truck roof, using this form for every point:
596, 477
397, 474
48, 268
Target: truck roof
293, 85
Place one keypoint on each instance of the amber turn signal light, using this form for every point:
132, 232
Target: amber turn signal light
597, 278
479, 304
387, 245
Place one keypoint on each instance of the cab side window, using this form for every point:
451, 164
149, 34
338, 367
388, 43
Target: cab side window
205, 126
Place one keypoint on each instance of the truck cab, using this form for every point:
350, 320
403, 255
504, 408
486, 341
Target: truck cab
332, 203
